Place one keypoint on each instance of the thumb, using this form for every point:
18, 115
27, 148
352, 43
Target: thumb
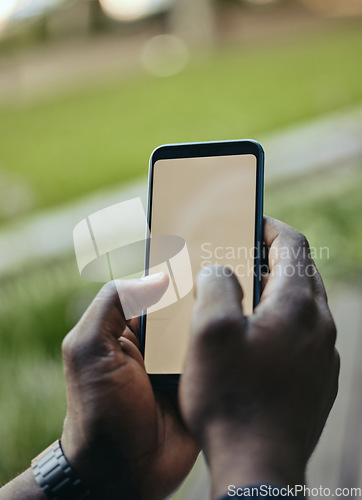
139, 294
116, 302
218, 312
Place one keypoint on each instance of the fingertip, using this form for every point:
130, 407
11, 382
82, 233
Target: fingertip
159, 280
215, 271
277, 231
218, 281
160, 276
154, 283
136, 295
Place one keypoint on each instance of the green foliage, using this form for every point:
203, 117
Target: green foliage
37, 308
326, 207
33, 407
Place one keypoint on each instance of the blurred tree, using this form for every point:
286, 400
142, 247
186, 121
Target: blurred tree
43, 28
193, 21
97, 19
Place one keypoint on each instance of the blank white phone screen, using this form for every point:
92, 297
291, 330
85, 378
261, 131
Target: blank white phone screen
210, 203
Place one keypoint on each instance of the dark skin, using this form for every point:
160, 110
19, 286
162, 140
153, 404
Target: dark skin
278, 368
123, 438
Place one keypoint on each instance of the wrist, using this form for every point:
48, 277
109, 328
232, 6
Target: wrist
23, 487
244, 457
105, 475
56, 478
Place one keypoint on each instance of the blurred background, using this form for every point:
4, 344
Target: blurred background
88, 88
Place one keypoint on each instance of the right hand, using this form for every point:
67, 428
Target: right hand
256, 391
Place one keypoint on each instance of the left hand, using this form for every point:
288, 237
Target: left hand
123, 440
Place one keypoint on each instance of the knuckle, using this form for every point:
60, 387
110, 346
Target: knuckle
123, 296
108, 297
304, 302
302, 307
307, 300
337, 361
67, 345
331, 329
224, 322
335, 372
109, 290
301, 240
326, 324
73, 350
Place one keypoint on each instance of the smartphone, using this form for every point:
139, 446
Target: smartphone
205, 206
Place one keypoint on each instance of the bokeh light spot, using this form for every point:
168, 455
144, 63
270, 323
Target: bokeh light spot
7, 7
132, 10
165, 55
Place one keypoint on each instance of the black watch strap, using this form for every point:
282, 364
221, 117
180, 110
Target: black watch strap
56, 477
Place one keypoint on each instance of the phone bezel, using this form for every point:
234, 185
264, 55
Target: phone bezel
204, 149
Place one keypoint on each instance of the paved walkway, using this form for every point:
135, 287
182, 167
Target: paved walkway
337, 461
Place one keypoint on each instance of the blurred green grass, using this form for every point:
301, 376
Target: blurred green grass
38, 306
73, 143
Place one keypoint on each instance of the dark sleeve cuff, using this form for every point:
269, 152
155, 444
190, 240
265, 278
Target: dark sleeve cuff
263, 491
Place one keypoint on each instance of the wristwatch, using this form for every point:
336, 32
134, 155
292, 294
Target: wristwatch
56, 477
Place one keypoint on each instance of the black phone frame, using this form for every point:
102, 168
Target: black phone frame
170, 382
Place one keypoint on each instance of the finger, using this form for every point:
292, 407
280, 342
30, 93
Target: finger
264, 280
137, 295
291, 268
285, 243
295, 261
296, 255
134, 325
130, 349
104, 322
130, 335
218, 310
217, 337
319, 285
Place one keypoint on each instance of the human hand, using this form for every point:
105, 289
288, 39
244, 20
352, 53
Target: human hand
121, 438
256, 391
